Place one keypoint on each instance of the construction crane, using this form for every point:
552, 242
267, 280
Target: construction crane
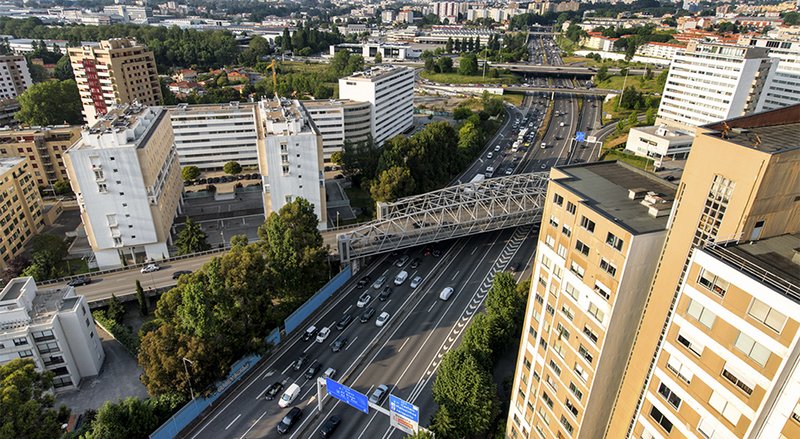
273, 65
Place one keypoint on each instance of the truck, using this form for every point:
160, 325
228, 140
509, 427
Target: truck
489, 172
515, 146
523, 132
477, 178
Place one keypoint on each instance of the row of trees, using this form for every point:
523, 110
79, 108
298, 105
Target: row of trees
48, 253
464, 387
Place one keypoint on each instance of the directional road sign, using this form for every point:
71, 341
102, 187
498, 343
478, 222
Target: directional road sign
357, 400
580, 136
403, 415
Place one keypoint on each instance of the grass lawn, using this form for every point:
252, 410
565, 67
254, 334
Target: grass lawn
75, 266
514, 98
631, 159
300, 67
455, 78
616, 82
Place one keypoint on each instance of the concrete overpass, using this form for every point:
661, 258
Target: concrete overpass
564, 91
561, 71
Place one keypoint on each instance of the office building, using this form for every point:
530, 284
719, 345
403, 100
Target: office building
125, 174
340, 121
390, 90
53, 328
729, 365
741, 182
783, 84
20, 208
290, 157
601, 232
659, 142
208, 136
14, 76
44, 148
118, 71
369, 50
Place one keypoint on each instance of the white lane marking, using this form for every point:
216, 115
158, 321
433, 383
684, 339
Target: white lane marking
234, 420
254, 424
310, 388
454, 276
386, 304
351, 343
348, 309
432, 305
267, 374
287, 368
403, 345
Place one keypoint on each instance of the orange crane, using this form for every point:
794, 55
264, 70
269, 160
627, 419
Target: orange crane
273, 66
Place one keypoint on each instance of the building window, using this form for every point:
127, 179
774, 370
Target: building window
585, 354
577, 269
571, 407
767, 315
102, 188
669, 395
547, 400
550, 241
562, 251
554, 221
589, 333
582, 248
587, 224
546, 262
613, 241
602, 290
551, 382
575, 391
596, 313
713, 282
566, 424
752, 349
724, 407
730, 376
580, 372
693, 346
566, 230
568, 312
558, 199
21, 341
701, 314
796, 412
558, 271
26, 353
43, 335
570, 208
572, 291
45, 348
683, 372
555, 368
660, 419
608, 267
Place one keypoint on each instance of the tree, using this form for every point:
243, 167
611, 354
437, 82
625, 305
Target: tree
232, 168
190, 173
355, 64
506, 303
115, 309
651, 116
239, 240
27, 404
47, 253
191, 239
468, 65
16, 266
50, 103
633, 119
378, 58
791, 18
467, 390
62, 187
38, 73
601, 75
477, 44
457, 46
448, 47
469, 138
444, 64
141, 299
482, 336
461, 113
393, 183
129, 418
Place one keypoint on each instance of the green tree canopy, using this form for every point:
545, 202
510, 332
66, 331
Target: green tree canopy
27, 404
232, 168
468, 64
50, 103
129, 418
190, 173
393, 183
378, 58
191, 239
467, 390
47, 253
461, 112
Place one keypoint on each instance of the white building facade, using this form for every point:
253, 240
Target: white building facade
208, 136
783, 84
52, 328
15, 77
340, 121
390, 90
660, 141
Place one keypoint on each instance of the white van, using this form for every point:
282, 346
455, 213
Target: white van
446, 293
289, 395
544, 145
401, 277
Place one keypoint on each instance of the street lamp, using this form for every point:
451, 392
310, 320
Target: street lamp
188, 377
337, 219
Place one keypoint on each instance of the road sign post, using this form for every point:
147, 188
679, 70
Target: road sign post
355, 399
403, 415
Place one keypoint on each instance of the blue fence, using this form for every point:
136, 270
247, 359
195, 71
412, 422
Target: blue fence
274, 337
193, 408
296, 318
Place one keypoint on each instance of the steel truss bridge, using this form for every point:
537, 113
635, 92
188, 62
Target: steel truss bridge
452, 212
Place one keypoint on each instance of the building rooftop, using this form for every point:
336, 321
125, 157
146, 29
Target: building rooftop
212, 108
774, 261
772, 131
284, 117
374, 73
327, 103
12, 290
632, 198
6, 164
123, 125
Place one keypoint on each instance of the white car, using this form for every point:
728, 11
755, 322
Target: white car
149, 268
323, 334
416, 281
363, 300
489, 155
379, 282
382, 319
497, 148
329, 373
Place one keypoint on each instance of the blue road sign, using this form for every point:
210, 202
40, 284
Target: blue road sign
357, 400
403, 408
580, 136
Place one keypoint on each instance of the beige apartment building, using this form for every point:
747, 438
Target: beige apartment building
20, 208
741, 182
44, 148
118, 71
15, 77
602, 227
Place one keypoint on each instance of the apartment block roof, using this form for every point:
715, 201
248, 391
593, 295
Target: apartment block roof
772, 131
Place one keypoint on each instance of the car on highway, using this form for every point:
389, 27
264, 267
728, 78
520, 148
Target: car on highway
436, 252
400, 278
544, 166
289, 395
329, 373
509, 170
344, 321
378, 394
415, 282
363, 300
176, 275
382, 319
514, 267
313, 370
387, 291
330, 426
490, 155
300, 361
291, 418
367, 314
339, 344
79, 281
323, 334
415, 263
497, 148
401, 261
363, 282
446, 293
379, 282
273, 390
149, 268
311, 331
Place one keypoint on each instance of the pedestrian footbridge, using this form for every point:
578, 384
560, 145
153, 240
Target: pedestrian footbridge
452, 212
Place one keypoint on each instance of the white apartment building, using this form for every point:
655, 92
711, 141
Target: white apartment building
660, 141
660, 50
709, 82
125, 173
290, 157
390, 90
54, 328
14, 76
388, 51
783, 84
208, 136
340, 121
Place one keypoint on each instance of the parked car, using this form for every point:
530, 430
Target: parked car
291, 418
300, 361
323, 334
367, 315
416, 281
313, 370
180, 273
344, 321
378, 394
149, 268
273, 390
363, 300
387, 291
339, 344
330, 426
382, 319
80, 280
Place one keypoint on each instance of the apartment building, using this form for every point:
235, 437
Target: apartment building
729, 365
54, 328
208, 136
659, 142
44, 148
290, 157
783, 84
118, 71
340, 121
741, 181
125, 173
390, 90
602, 228
20, 208
15, 77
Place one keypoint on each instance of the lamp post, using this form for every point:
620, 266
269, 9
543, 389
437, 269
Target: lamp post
188, 377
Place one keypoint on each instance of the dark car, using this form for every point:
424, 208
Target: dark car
291, 418
313, 369
514, 267
339, 344
367, 314
436, 252
426, 251
273, 391
300, 361
363, 282
415, 263
387, 291
180, 273
344, 321
330, 426
80, 280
